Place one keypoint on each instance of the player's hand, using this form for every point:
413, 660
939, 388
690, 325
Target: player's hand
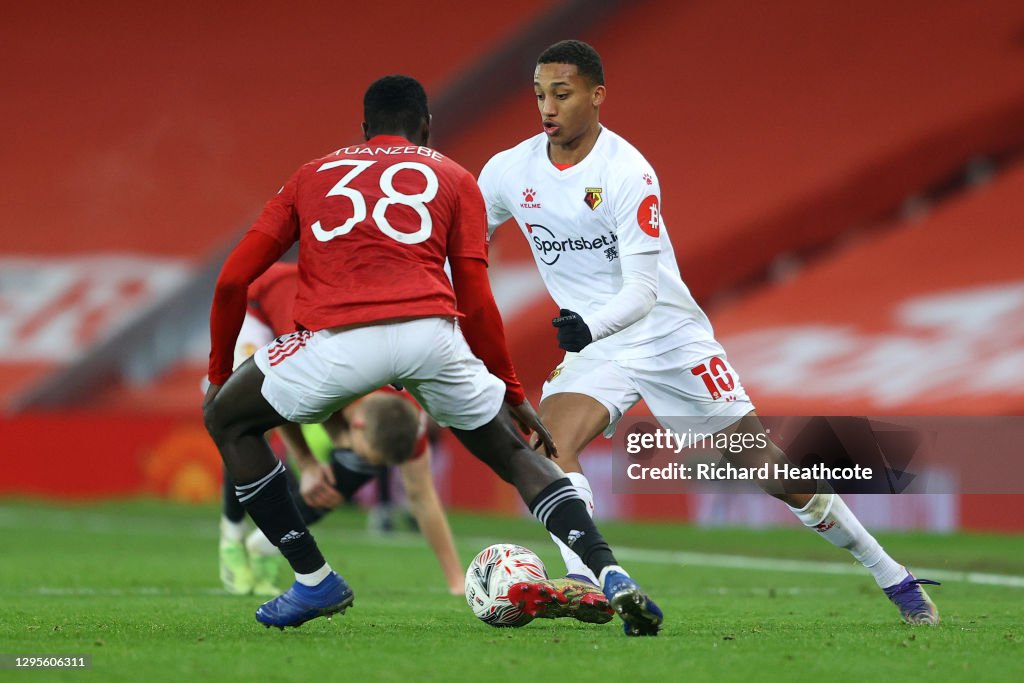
528, 420
573, 333
318, 487
211, 393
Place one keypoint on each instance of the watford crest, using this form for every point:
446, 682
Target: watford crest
593, 197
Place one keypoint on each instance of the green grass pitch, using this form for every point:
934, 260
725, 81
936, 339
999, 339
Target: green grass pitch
134, 585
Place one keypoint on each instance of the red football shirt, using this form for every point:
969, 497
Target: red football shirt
271, 298
375, 223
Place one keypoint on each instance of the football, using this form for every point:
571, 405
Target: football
491, 573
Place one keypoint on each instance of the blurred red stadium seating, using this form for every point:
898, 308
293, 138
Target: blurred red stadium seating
151, 129
775, 128
926, 319
162, 128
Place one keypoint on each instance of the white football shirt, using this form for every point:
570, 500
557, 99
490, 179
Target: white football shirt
580, 222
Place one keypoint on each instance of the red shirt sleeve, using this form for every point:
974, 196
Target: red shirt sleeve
482, 325
279, 219
272, 297
253, 255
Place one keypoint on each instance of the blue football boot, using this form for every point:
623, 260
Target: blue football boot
301, 603
640, 616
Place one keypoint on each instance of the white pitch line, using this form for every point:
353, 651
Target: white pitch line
137, 591
684, 558
769, 564
105, 524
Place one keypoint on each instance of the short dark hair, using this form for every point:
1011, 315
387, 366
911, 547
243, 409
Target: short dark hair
391, 427
583, 55
394, 104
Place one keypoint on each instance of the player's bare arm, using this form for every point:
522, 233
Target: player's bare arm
425, 505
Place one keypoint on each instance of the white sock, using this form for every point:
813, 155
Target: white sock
259, 545
314, 578
573, 563
828, 515
232, 531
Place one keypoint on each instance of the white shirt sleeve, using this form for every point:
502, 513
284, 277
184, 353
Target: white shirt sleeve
637, 210
635, 300
489, 182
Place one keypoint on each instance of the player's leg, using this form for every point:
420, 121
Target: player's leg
233, 561
582, 398
232, 516
382, 516
237, 420
265, 559
552, 498
307, 378
235, 566
453, 387
574, 420
709, 389
393, 428
350, 474
826, 513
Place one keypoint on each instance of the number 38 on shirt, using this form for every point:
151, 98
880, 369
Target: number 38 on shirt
416, 201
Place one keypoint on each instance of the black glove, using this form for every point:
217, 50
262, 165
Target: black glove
573, 333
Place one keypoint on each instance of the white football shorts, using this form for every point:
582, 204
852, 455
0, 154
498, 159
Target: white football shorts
309, 375
707, 392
